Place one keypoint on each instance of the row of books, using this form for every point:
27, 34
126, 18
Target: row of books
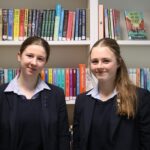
77, 80
109, 23
71, 80
51, 24
140, 77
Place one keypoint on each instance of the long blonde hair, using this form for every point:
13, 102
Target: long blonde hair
126, 98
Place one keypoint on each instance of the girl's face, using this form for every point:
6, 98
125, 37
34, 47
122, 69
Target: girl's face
103, 64
32, 60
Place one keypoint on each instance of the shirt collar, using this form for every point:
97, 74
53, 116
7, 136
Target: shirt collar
14, 87
95, 93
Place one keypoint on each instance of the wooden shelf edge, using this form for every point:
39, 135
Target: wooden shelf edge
134, 42
52, 43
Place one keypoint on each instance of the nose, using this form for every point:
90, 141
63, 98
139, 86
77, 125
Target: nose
100, 64
34, 61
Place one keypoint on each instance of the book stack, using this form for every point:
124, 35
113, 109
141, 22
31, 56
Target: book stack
108, 23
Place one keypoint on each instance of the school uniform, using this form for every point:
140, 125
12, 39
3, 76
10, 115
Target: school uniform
40, 123
97, 126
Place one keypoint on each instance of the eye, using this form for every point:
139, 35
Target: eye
42, 59
94, 61
29, 55
106, 61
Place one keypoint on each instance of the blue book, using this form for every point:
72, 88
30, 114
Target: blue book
10, 74
62, 78
61, 25
77, 24
46, 74
57, 21
10, 23
83, 24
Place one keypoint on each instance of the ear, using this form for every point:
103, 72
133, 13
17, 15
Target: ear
119, 62
18, 56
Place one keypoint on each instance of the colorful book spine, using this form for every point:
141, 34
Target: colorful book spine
106, 23
62, 72
111, 23
116, 21
74, 81
65, 26
70, 84
37, 21
10, 23
57, 21
39, 29
50, 75
77, 24
29, 33
73, 27
16, 23
83, 22
49, 25
26, 24
22, 25
33, 21
43, 24
69, 26
101, 21
61, 25
5, 24
80, 25
52, 25
67, 80
82, 70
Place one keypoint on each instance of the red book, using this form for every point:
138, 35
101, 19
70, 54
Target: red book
69, 27
82, 74
22, 24
74, 81
67, 80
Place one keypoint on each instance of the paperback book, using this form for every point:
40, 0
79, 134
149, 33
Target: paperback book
135, 25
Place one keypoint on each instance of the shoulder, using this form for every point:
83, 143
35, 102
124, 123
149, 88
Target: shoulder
83, 98
143, 95
142, 92
54, 87
55, 91
3, 87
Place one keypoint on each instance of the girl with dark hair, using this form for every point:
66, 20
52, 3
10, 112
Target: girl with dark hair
33, 113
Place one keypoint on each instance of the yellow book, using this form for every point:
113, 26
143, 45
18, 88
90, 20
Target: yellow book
16, 23
26, 23
50, 75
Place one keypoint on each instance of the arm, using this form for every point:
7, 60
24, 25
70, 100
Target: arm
144, 121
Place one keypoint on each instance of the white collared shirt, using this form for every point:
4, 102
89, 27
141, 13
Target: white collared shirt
14, 87
96, 94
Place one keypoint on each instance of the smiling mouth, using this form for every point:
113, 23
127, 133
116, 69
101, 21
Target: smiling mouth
32, 69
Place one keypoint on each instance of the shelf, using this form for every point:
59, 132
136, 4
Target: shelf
134, 42
70, 101
53, 43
